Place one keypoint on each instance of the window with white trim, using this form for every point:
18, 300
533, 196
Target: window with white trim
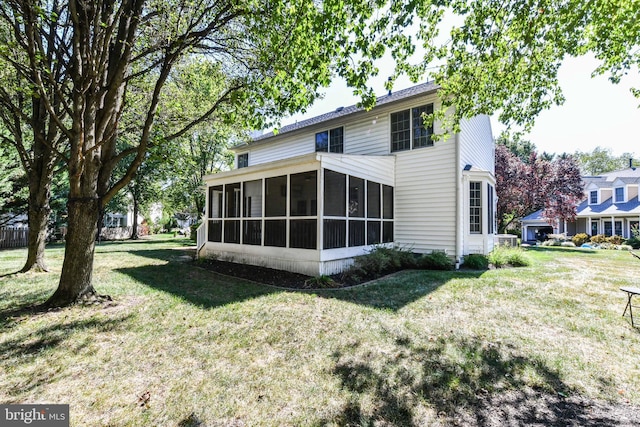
408, 130
619, 194
490, 210
475, 207
330, 141
243, 160
593, 197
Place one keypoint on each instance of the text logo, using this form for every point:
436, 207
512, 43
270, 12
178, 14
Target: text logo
34, 415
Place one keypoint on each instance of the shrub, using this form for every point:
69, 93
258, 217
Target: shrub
551, 243
615, 240
436, 260
558, 237
320, 282
497, 257
476, 262
518, 259
580, 239
598, 238
634, 242
374, 263
502, 256
381, 260
568, 244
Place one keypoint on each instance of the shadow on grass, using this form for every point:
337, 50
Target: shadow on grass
397, 290
209, 289
25, 348
464, 380
30, 303
197, 286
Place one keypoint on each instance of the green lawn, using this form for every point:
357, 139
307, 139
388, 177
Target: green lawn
182, 346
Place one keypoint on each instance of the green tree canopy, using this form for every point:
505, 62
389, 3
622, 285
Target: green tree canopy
601, 160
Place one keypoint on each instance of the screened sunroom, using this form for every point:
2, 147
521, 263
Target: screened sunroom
310, 214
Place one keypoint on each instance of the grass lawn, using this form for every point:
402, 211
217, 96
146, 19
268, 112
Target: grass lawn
182, 346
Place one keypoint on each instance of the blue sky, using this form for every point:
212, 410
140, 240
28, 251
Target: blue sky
595, 113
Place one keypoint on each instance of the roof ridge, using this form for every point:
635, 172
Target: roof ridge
351, 109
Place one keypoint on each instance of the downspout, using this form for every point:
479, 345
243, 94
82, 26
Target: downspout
459, 205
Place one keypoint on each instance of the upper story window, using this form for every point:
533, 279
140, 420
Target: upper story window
593, 197
619, 194
331, 141
421, 134
243, 160
408, 130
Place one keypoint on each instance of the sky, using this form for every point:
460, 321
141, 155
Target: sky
595, 113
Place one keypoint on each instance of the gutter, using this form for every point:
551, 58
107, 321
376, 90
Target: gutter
459, 205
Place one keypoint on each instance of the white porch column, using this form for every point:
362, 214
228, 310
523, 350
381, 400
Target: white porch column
613, 226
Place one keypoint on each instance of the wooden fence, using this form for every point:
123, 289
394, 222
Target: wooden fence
13, 237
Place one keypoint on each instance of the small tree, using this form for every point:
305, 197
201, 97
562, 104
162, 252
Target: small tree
523, 188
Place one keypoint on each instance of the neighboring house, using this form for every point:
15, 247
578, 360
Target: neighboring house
317, 193
610, 207
125, 219
14, 221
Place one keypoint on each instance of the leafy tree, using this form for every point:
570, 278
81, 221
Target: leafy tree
202, 153
601, 160
28, 124
512, 176
564, 189
521, 148
275, 56
13, 182
203, 149
525, 187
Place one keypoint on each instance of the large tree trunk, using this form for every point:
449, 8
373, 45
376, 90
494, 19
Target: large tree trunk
39, 211
40, 178
75, 280
136, 209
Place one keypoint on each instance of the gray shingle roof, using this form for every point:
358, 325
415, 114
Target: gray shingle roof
403, 94
624, 173
609, 208
628, 176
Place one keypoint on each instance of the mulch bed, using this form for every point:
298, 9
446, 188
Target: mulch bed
268, 276
281, 278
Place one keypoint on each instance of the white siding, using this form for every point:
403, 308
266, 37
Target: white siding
288, 146
380, 169
368, 135
365, 133
425, 211
476, 143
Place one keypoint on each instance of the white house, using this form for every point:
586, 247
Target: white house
610, 207
319, 192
